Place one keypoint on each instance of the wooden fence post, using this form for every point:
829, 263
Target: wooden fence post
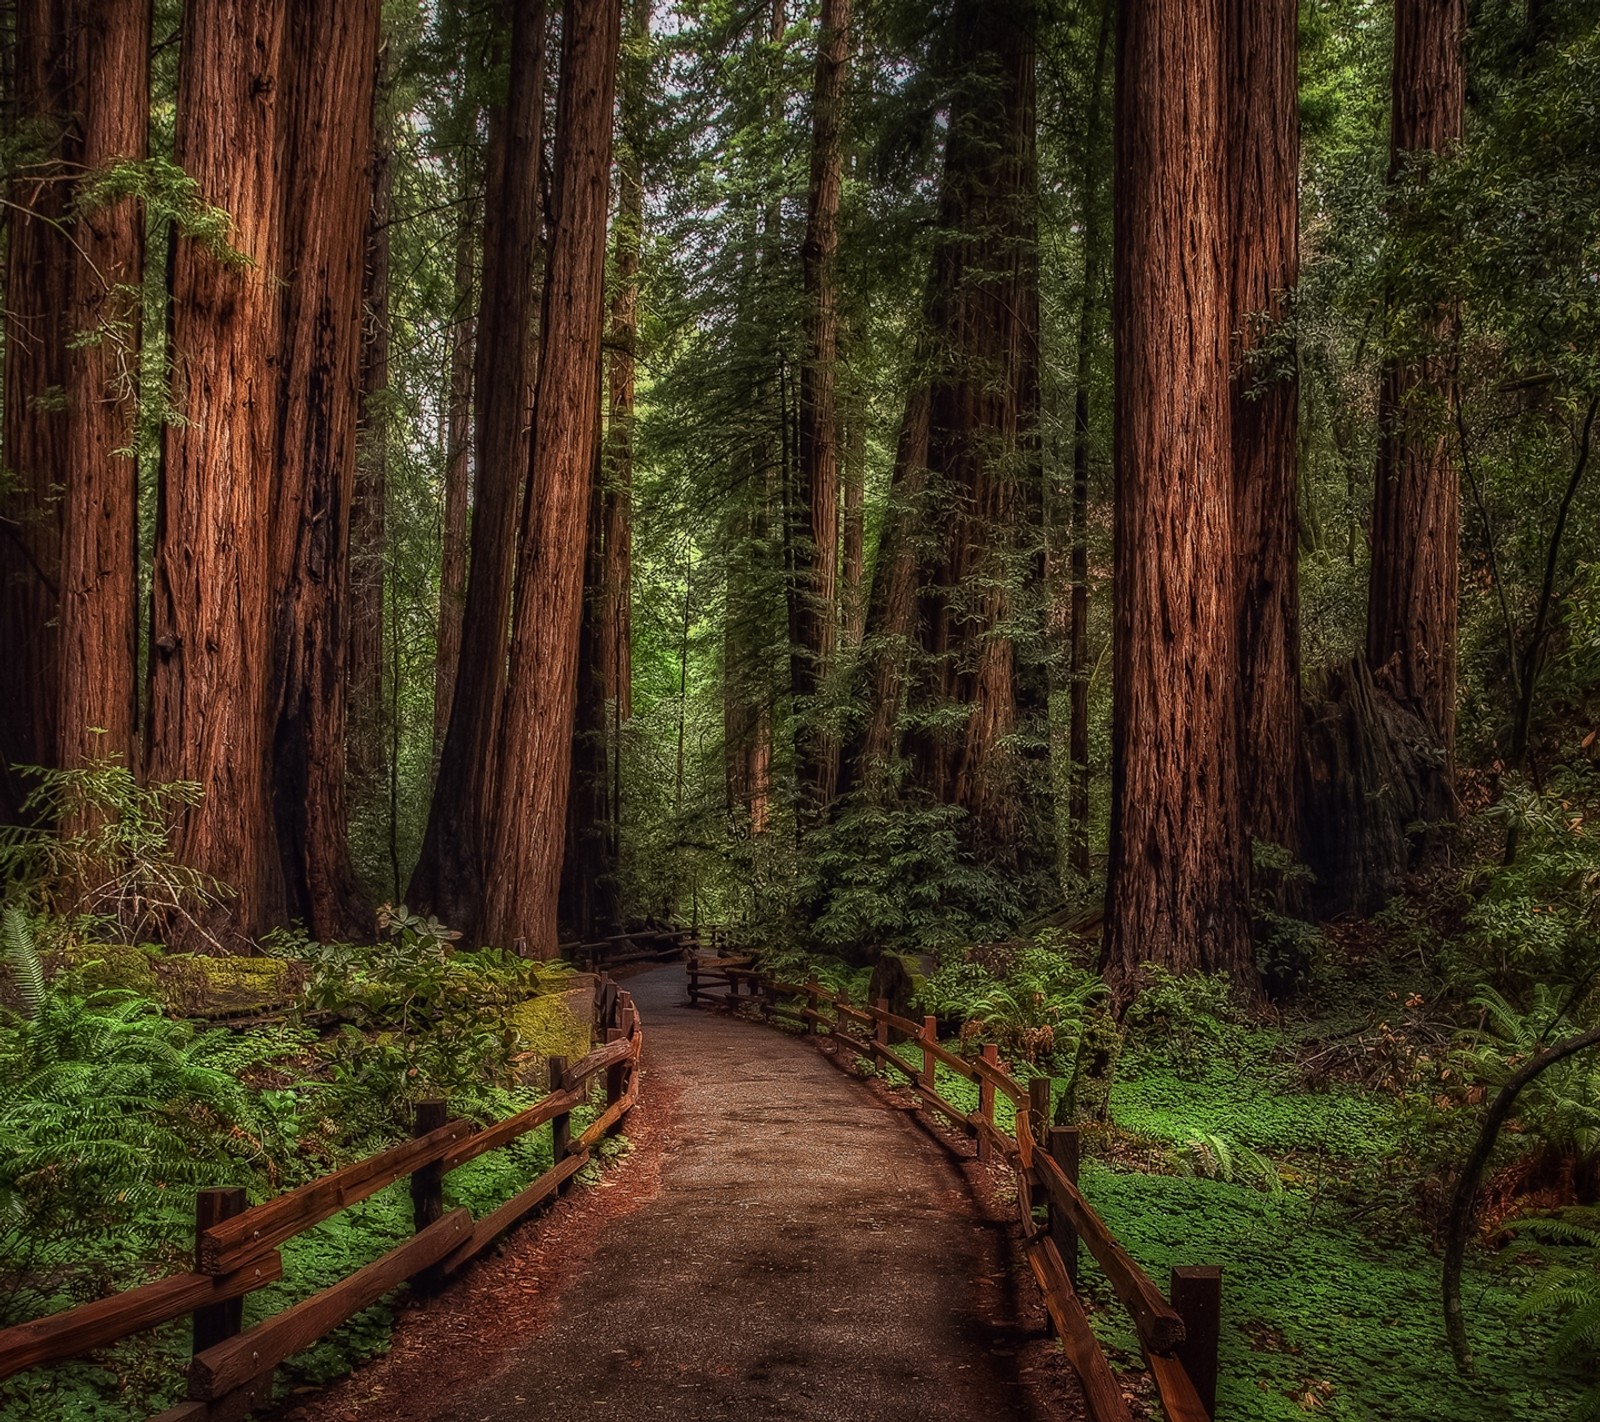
216, 1321
1197, 1296
814, 1002
929, 1038
1064, 1151
880, 1029
990, 1054
427, 1188
560, 1126
614, 1073
1039, 1108
694, 982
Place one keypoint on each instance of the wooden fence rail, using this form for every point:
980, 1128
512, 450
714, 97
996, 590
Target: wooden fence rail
1178, 1336
236, 1246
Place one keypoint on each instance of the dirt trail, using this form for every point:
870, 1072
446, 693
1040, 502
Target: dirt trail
786, 1244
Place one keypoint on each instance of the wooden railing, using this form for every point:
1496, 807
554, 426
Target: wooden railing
1178, 1335
236, 1245
643, 945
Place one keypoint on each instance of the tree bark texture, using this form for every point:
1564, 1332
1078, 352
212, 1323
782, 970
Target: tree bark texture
326, 137
1414, 585
457, 480
982, 414
210, 708
1089, 309
368, 511
588, 870
1178, 885
814, 631
536, 727
449, 879
69, 532
614, 623
1263, 167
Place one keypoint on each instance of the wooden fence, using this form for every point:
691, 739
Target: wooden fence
1178, 1335
236, 1245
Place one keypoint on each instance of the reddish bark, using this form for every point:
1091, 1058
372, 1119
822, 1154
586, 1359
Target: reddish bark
1263, 167
614, 619
814, 597
210, 709
530, 803
369, 507
1414, 586
69, 530
326, 137
450, 877
1178, 886
457, 483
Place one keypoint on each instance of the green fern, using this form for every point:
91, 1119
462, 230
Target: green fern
1572, 1294
23, 955
1209, 1155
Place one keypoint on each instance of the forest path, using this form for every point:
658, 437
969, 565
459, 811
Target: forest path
782, 1242
809, 1253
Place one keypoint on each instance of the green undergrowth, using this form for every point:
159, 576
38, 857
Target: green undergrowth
1331, 1293
144, 1374
1320, 1320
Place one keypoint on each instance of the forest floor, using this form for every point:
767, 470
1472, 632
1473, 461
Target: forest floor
780, 1243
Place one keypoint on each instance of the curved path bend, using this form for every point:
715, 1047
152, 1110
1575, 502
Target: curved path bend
805, 1250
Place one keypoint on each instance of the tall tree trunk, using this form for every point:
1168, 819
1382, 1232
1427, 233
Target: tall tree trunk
536, 725
69, 631
368, 511
1414, 586
457, 478
1089, 307
450, 875
588, 870
326, 136
853, 540
1263, 169
614, 625
210, 711
983, 416
1178, 886
814, 595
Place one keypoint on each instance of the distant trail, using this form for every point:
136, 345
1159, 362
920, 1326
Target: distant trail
807, 1252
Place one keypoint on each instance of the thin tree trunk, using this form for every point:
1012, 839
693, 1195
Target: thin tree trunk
1263, 168
1178, 886
1413, 590
853, 543
368, 512
814, 595
450, 877
211, 656
1094, 258
457, 480
536, 726
614, 629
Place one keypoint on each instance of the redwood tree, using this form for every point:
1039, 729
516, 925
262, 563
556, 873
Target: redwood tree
531, 786
326, 137
212, 630
68, 532
814, 621
1178, 885
449, 879
1262, 175
1413, 590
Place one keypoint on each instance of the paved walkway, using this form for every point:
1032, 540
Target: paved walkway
810, 1254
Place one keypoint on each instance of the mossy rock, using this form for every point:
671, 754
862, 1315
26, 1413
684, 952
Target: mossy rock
552, 1024
102, 967
192, 983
